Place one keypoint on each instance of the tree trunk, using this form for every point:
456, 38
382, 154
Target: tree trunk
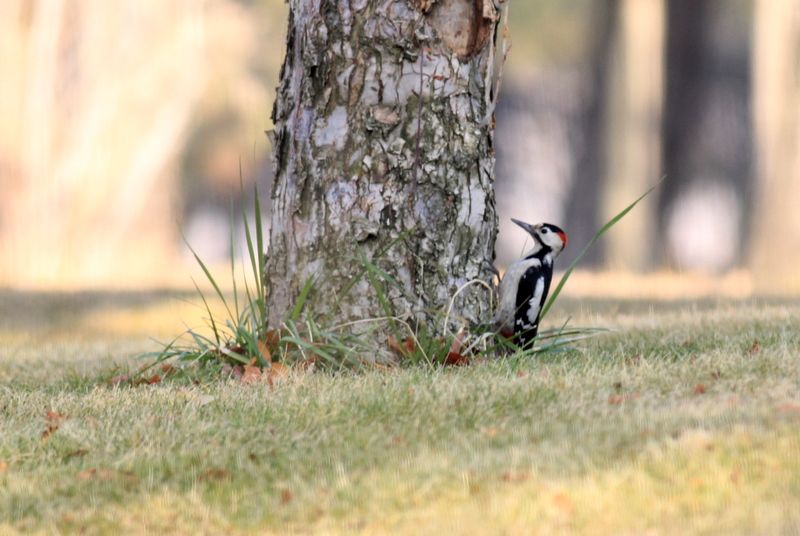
706, 136
383, 151
776, 241
633, 132
583, 210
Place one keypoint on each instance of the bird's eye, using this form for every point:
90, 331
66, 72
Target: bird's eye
545, 230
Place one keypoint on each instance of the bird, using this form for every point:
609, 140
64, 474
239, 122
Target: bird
526, 283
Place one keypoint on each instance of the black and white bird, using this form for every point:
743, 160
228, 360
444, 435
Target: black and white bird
524, 287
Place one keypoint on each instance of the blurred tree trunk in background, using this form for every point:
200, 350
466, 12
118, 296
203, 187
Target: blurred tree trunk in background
776, 241
706, 140
383, 148
583, 210
87, 147
633, 131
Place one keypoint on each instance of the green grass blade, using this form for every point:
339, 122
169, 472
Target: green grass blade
233, 266
260, 254
609, 224
346, 290
210, 278
301, 299
251, 253
208, 310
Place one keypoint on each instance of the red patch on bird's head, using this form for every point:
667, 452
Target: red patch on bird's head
563, 236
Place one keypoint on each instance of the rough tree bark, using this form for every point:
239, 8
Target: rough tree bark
383, 149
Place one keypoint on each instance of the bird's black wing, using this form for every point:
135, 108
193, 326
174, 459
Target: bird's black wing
531, 295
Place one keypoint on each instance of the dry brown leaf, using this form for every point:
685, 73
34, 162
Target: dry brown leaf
286, 496
76, 453
563, 503
155, 378
395, 346
251, 374
52, 422
118, 380
307, 365
3, 467
455, 347
511, 476
754, 348
86, 474
616, 400
788, 407
215, 473
272, 339
278, 371
455, 359
454, 356
735, 475
264, 349
699, 389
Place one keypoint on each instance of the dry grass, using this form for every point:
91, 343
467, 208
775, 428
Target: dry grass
683, 421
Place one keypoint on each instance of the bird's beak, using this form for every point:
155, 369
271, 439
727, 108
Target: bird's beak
527, 226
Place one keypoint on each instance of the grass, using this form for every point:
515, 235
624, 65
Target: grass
685, 420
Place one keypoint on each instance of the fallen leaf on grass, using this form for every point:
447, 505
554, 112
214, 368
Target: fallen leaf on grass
788, 407
119, 379
491, 431
52, 422
454, 356
307, 365
286, 496
510, 476
699, 389
278, 371
215, 473
402, 350
3, 466
104, 474
232, 371
76, 453
252, 374
456, 359
263, 349
136, 380
272, 339
754, 348
563, 503
616, 400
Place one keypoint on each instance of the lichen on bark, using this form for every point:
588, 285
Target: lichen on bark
383, 150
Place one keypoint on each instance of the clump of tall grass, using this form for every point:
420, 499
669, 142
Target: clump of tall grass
243, 338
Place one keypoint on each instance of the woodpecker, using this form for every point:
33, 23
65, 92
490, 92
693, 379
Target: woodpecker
524, 287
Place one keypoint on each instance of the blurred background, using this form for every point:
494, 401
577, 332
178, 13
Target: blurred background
123, 125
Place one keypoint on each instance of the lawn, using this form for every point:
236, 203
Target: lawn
684, 420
